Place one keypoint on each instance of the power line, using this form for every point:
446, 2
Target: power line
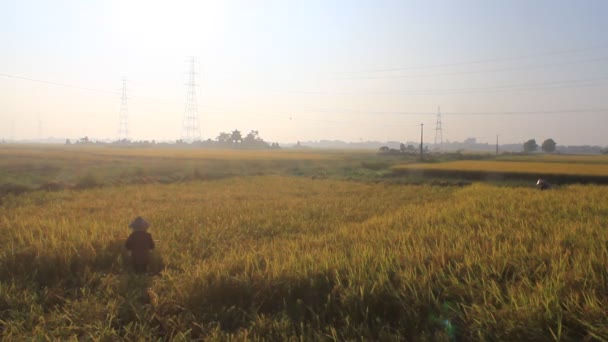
490, 89
481, 61
514, 88
470, 72
439, 131
60, 84
447, 91
358, 123
508, 86
296, 119
536, 112
532, 112
191, 101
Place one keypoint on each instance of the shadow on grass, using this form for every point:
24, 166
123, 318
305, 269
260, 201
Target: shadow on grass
117, 259
314, 302
48, 268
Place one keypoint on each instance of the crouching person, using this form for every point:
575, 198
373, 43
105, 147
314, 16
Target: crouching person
543, 184
139, 243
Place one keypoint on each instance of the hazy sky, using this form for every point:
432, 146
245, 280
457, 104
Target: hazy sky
309, 70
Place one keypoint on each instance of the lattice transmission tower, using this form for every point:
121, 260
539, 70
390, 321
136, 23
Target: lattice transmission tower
438, 130
39, 127
123, 125
191, 130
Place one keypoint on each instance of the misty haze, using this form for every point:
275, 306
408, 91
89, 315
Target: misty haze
303, 170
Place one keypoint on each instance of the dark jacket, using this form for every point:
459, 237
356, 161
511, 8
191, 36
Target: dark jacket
140, 243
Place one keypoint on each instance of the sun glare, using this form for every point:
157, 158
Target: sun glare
160, 24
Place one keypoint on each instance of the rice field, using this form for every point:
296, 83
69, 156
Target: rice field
26, 168
102, 152
554, 168
585, 170
558, 158
278, 256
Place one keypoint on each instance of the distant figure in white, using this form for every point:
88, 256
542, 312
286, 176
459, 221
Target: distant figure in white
543, 184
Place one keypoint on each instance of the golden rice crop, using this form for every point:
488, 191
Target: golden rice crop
559, 158
537, 168
26, 168
288, 258
101, 152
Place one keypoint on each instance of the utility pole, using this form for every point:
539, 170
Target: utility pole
13, 130
191, 130
421, 139
496, 144
123, 125
39, 127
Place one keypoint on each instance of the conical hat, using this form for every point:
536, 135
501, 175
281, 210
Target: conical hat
139, 224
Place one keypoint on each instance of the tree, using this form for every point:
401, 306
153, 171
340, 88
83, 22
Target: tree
223, 138
530, 146
236, 140
236, 137
548, 146
252, 138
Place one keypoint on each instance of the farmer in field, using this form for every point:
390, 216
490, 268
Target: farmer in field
139, 243
543, 184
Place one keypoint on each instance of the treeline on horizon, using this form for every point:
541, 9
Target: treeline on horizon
234, 139
252, 140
